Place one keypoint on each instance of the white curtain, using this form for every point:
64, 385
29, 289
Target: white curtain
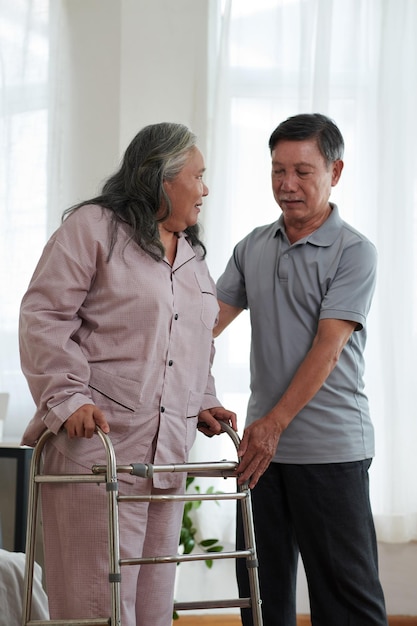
24, 86
355, 61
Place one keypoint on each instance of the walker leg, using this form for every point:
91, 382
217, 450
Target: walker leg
252, 561
32, 519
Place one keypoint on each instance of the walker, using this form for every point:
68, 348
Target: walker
108, 474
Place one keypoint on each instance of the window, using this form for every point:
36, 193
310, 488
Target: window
351, 61
23, 178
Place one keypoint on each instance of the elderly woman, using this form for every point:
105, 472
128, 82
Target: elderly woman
116, 331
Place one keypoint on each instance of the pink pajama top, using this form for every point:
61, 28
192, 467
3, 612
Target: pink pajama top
131, 335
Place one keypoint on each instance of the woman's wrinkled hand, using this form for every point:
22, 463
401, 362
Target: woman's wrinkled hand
208, 420
83, 422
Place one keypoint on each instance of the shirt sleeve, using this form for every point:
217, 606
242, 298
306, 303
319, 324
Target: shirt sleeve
231, 287
55, 367
350, 293
210, 399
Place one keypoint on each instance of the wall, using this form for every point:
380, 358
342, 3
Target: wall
398, 570
130, 63
119, 66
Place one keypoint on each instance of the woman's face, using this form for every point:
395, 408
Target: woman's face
186, 192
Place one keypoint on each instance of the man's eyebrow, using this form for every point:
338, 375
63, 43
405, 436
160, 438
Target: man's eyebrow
299, 164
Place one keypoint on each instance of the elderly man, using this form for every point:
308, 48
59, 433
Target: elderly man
308, 280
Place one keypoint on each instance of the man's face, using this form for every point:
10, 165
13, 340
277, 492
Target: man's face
302, 181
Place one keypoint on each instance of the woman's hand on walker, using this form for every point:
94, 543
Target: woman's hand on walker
83, 422
208, 420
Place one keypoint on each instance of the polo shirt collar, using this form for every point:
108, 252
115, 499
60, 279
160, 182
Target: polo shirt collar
325, 235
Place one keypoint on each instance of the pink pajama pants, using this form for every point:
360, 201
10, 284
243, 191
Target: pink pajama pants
75, 523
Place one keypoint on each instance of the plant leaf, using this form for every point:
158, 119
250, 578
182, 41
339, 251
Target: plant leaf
215, 549
189, 481
189, 545
187, 508
208, 542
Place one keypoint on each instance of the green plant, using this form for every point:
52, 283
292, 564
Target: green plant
188, 530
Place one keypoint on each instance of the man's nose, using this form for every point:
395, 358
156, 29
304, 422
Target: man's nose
289, 182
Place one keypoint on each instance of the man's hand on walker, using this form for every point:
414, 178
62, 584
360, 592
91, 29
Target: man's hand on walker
258, 446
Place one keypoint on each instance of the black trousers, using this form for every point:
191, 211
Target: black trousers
322, 512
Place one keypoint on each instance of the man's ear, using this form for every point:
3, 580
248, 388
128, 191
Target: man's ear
337, 167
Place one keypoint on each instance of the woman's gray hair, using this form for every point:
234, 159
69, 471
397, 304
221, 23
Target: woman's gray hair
135, 193
169, 145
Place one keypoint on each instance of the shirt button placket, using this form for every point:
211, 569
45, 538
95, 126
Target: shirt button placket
170, 364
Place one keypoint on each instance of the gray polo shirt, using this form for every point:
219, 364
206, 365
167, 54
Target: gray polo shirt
288, 288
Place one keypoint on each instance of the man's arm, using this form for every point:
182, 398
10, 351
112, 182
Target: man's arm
260, 439
226, 315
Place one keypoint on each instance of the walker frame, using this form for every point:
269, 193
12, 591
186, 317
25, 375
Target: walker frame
108, 474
